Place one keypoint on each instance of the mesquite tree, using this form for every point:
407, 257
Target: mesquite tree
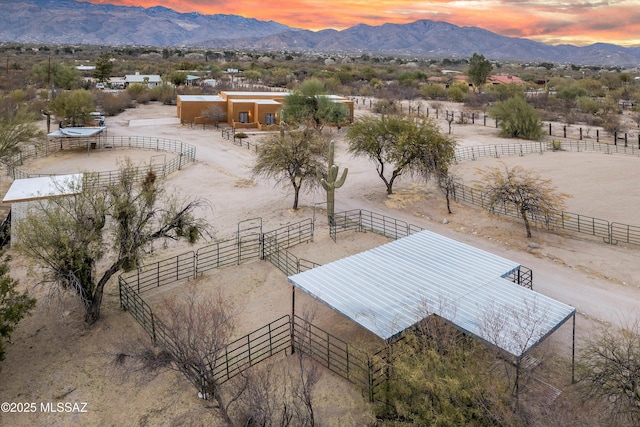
531, 196
292, 158
81, 241
401, 144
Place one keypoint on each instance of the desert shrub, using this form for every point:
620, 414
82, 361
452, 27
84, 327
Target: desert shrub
163, 93
386, 106
456, 93
433, 91
517, 119
114, 104
478, 100
139, 92
586, 104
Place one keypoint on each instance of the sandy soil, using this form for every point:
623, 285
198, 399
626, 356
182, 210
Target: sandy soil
54, 357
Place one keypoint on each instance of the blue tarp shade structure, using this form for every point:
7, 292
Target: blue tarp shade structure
393, 287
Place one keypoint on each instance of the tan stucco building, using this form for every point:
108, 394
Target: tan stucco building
244, 110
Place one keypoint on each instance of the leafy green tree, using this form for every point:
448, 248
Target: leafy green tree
164, 93
14, 305
311, 106
293, 158
517, 119
532, 197
433, 91
104, 67
178, 78
400, 144
74, 107
16, 126
587, 105
479, 70
57, 75
71, 237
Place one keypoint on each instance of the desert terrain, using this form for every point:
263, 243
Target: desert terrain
55, 357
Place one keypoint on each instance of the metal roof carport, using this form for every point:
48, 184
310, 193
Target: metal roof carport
72, 133
393, 287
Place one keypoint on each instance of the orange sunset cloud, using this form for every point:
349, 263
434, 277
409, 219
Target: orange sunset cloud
580, 22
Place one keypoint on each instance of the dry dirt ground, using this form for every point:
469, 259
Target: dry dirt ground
54, 357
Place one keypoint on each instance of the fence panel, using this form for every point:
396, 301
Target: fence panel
583, 224
523, 276
253, 348
217, 255
163, 272
131, 301
384, 225
625, 233
249, 247
332, 352
290, 235
346, 221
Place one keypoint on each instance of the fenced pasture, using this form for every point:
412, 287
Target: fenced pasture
323, 335
183, 154
611, 232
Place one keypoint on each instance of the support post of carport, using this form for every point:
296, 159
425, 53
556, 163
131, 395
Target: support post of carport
573, 351
293, 318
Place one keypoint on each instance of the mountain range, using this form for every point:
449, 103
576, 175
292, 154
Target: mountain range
76, 22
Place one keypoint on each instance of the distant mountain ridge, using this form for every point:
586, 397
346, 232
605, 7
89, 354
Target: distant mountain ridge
75, 22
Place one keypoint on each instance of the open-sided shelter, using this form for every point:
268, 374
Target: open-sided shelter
78, 136
24, 192
391, 288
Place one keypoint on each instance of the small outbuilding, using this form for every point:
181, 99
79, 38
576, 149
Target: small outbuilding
26, 192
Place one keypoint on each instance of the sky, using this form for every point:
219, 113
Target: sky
578, 22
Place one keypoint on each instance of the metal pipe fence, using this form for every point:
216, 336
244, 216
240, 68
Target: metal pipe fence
185, 153
253, 348
339, 357
609, 232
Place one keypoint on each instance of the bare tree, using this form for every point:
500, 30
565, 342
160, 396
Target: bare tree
514, 331
531, 196
216, 114
279, 393
197, 330
610, 372
447, 181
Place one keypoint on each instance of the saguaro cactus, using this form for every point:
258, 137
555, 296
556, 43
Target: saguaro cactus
332, 182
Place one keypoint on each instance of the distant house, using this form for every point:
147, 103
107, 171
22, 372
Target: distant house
150, 80
193, 80
504, 79
245, 110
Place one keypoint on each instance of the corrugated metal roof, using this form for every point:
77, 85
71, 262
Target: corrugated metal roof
394, 286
